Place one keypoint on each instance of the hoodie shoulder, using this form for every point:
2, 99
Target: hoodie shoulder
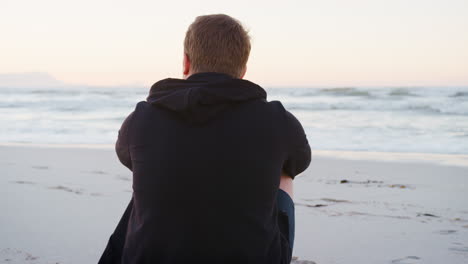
277, 106
142, 105
142, 109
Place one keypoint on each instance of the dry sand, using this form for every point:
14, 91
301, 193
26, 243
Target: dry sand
59, 205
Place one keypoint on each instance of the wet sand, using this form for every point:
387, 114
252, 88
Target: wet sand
61, 204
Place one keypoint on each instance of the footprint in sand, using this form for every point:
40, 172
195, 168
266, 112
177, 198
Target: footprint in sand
23, 182
98, 172
459, 249
446, 232
40, 167
101, 172
427, 215
67, 189
407, 260
310, 205
329, 201
296, 260
75, 191
9, 255
123, 178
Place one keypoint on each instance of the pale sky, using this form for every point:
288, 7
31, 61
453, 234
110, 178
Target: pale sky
295, 43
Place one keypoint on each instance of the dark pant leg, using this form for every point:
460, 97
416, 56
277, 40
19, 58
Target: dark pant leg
286, 218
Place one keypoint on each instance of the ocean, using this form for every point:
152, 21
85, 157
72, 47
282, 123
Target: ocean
380, 119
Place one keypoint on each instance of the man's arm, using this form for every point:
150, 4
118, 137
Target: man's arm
286, 184
299, 154
122, 146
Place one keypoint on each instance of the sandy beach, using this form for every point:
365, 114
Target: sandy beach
60, 204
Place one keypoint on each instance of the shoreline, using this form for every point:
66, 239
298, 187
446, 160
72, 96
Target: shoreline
459, 160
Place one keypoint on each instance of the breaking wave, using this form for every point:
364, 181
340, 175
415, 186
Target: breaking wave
460, 94
343, 118
401, 92
346, 91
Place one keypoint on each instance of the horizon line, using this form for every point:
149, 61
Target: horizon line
61, 83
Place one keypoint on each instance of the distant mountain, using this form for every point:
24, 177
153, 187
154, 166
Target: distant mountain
29, 80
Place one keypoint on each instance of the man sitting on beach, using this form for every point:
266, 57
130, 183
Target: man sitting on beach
212, 161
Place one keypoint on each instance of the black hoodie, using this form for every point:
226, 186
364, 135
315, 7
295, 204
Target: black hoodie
206, 155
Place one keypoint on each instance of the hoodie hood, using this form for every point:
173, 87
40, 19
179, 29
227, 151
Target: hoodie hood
203, 95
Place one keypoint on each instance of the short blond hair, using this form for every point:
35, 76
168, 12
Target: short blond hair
217, 43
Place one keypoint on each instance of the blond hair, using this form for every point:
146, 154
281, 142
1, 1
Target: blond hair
217, 43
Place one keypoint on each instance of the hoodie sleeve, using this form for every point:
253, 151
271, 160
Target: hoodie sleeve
299, 153
122, 146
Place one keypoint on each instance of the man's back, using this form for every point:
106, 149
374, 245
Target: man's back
206, 155
207, 152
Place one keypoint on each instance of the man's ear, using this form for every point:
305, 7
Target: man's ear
243, 72
186, 66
